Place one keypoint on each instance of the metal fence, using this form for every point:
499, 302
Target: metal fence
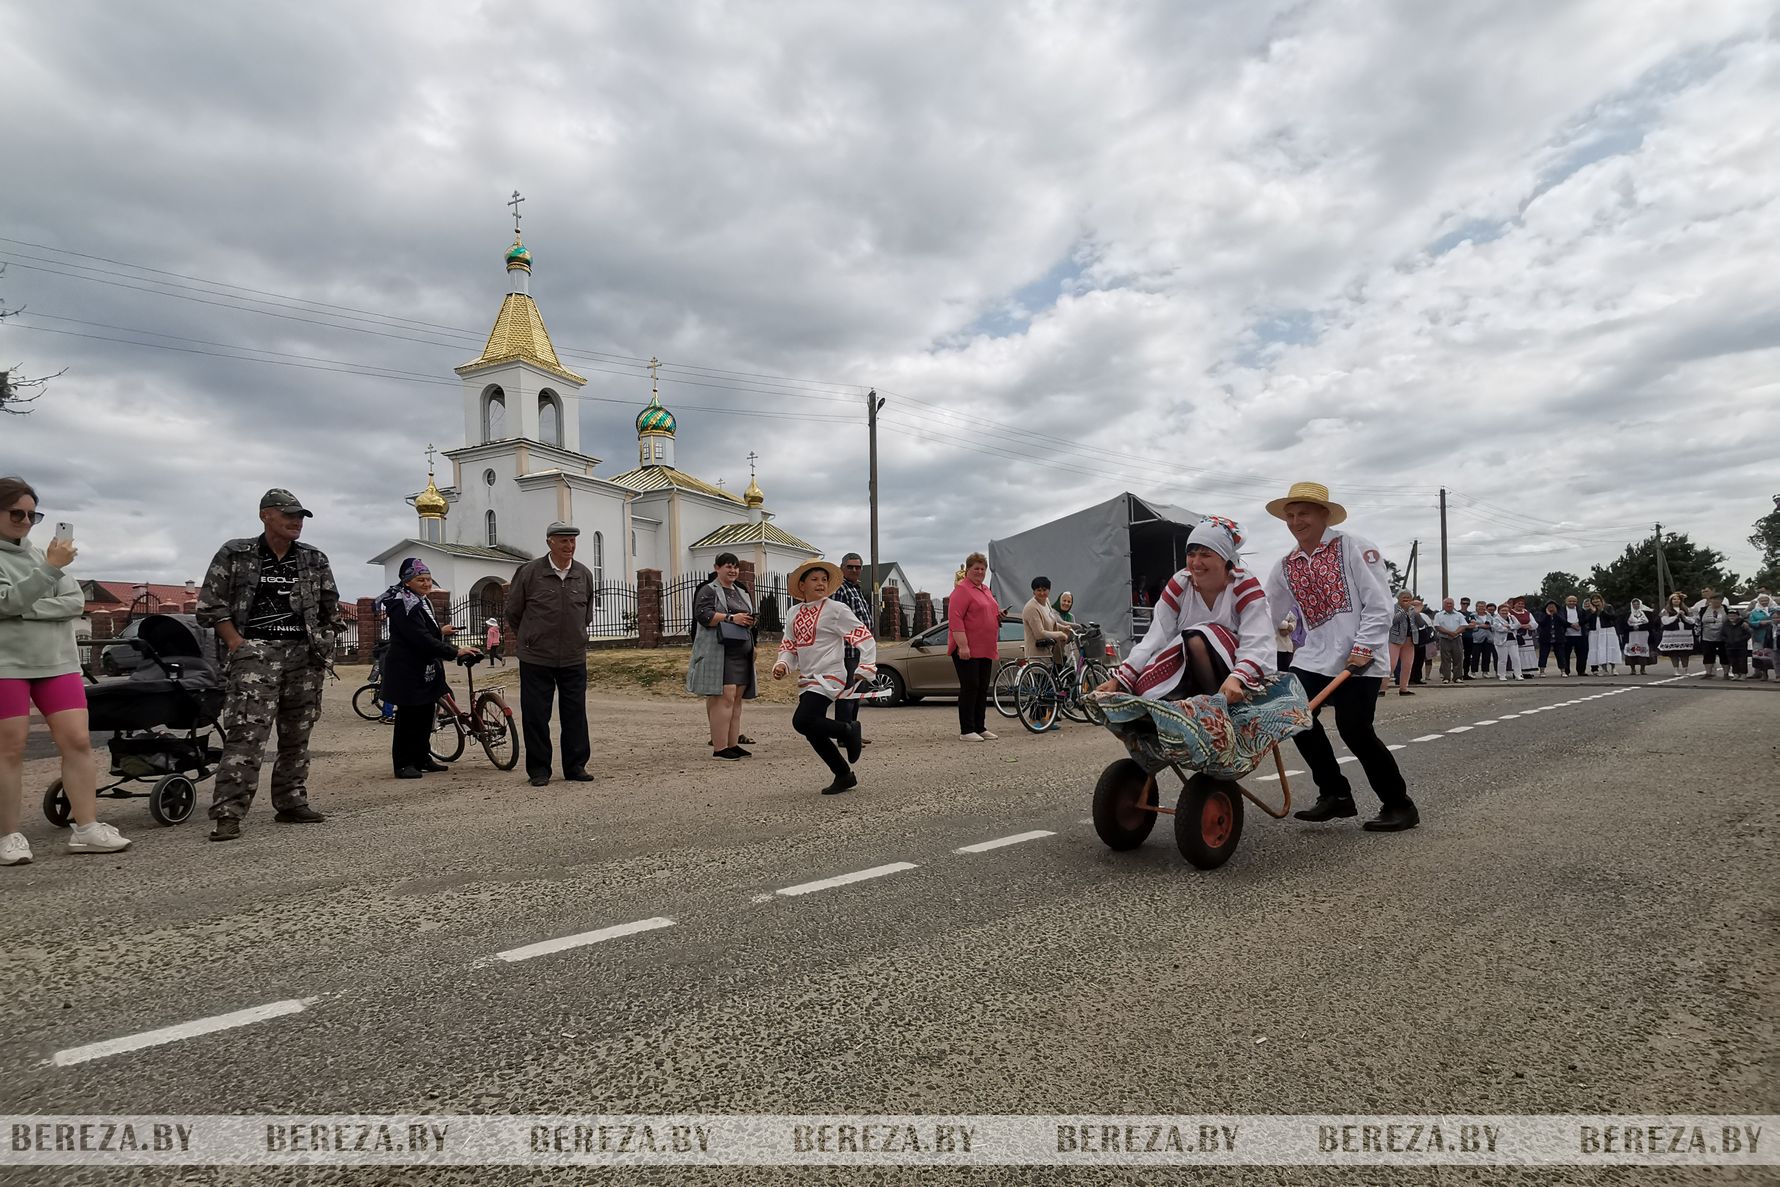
614, 612
676, 604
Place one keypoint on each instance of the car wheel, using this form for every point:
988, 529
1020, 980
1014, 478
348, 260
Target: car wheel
898, 689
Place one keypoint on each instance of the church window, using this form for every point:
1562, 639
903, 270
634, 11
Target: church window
494, 414
488, 519
655, 450
599, 568
549, 418
488, 477
432, 530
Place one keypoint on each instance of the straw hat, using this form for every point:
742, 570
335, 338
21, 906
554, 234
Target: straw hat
1308, 492
798, 574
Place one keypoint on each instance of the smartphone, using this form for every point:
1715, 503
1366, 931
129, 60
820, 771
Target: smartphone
65, 531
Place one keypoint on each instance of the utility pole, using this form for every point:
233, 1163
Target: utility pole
1656, 551
872, 404
1409, 569
1445, 575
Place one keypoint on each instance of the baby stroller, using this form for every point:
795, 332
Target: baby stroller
163, 718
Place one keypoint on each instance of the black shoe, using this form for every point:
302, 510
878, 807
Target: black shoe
301, 814
855, 741
1328, 807
730, 752
740, 753
841, 783
430, 765
226, 828
580, 777
409, 773
1394, 818
1404, 692
540, 781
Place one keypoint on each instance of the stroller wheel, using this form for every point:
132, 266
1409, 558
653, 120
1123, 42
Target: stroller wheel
172, 799
55, 805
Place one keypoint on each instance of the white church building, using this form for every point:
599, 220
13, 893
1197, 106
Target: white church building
521, 468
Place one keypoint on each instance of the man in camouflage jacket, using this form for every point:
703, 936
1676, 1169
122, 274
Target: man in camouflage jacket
275, 607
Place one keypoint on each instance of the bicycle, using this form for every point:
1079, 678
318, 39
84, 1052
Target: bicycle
1042, 690
367, 700
489, 721
1007, 676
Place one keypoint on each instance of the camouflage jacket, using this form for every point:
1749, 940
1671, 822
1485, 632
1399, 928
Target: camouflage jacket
234, 579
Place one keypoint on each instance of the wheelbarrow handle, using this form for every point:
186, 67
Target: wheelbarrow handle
1329, 688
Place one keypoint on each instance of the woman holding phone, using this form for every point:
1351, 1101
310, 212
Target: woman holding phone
40, 665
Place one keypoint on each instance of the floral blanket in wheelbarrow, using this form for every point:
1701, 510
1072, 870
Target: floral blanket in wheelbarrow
1205, 733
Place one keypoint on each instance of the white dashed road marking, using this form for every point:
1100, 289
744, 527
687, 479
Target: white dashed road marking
1460, 729
1428, 738
1491, 721
1274, 778
1396, 746
985, 846
845, 879
580, 940
1348, 758
184, 1030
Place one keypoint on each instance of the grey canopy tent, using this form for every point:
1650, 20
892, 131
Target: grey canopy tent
1109, 556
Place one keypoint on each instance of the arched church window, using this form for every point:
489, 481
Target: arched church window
494, 414
549, 418
488, 477
599, 567
488, 519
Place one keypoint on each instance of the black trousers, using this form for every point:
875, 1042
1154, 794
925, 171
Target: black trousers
1470, 655
1573, 650
1486, 656
973, 692
412, 735
845, 711
1546, 647
1355, 703
1418, 665
539, 686
812, 721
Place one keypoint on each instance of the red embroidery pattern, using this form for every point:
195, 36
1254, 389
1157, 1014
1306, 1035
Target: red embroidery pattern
803, 624
1319, 583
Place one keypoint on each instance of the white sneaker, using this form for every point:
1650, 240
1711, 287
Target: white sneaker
15, 850
988, 737
970, 737
96, 838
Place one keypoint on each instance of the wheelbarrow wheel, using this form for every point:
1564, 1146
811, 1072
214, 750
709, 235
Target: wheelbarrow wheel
1117, 817
56, 808
1208, 821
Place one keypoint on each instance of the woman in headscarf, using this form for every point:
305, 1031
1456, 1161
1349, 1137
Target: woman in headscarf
1065, 606
722, 668
1640, 638
1764, 624
1677, 640
1601, 624
1212, 632
414, 671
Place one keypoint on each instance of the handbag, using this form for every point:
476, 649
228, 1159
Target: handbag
734, 636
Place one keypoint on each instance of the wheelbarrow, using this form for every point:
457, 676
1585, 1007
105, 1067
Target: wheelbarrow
1208, 815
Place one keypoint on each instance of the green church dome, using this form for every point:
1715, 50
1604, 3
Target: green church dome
655, 419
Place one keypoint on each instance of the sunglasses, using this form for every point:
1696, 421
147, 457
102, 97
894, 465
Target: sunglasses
31, 517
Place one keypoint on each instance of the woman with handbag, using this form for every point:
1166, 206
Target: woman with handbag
722, 668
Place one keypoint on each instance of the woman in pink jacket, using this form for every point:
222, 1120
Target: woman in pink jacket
973, 628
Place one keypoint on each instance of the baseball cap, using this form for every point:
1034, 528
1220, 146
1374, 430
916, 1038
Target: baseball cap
280, 499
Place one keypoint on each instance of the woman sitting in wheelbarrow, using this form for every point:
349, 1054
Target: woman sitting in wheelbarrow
1211, 632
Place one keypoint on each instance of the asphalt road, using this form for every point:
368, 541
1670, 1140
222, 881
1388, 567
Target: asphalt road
1584, 923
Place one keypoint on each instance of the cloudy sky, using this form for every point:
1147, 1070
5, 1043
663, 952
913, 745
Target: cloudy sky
1194, 249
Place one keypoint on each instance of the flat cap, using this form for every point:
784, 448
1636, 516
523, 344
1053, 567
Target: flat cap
559, 528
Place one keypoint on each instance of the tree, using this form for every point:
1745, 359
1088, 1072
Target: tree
1559, 585
17, 390
1766, 540
1692, 567
1395, 574
769, 614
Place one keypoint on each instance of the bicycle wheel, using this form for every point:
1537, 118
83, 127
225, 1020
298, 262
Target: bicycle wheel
496, 731
1035, 698
1093, 676
447, 744
1070, 690
367, 702
1003, 688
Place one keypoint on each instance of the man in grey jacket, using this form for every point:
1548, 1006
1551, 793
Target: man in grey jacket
549, 607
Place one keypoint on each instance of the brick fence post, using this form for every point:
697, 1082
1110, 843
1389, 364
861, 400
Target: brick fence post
103, 626
945, 608
649, 609
746, 579
893, 612
923, 612
367, 627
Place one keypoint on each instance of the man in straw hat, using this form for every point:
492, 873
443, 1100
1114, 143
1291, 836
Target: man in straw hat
815, 643
1338, 581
